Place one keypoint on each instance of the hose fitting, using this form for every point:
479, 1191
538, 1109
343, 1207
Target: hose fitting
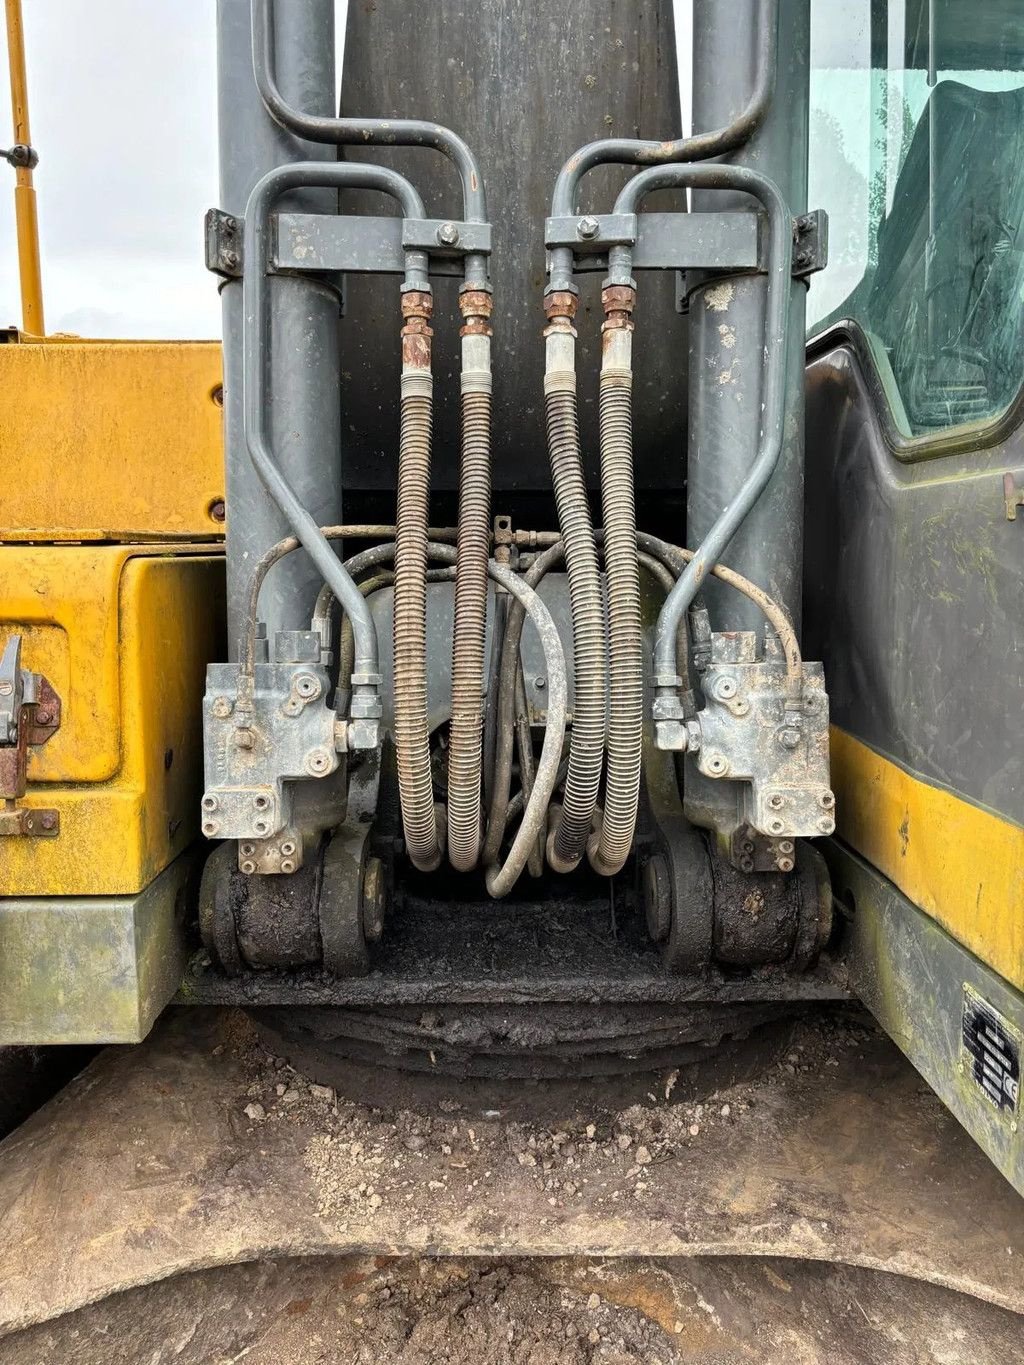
465, 754
412, 724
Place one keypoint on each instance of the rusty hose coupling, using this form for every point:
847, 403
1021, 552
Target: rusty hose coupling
476, 306
618, 300
417, 308
560, 309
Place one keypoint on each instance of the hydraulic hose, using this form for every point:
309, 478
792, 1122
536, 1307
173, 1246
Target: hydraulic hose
500, 879
412, 723
699, 147
255, 358
465, 753
776, 333
498, 813
568, 838
368, 132
610, 848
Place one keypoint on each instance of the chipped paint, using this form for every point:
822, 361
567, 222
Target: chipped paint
728, 335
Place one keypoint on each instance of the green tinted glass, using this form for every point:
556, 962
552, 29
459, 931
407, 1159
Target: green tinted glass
917, 153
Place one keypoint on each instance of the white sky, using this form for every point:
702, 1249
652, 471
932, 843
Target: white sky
122, 96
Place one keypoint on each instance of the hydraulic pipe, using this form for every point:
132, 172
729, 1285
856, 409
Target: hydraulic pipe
609, 849
699, 147
775, 345
465, 751
255, 361
351, 132
571, 831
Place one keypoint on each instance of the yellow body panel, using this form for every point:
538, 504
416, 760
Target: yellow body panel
124, 634
962, 865
117, 440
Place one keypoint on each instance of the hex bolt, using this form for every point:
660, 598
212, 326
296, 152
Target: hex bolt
42, 716
318, 761
307, 686
210, 802
725, 688
48, 820
448, 235
788, 737
776, 800
222, 707
588, 228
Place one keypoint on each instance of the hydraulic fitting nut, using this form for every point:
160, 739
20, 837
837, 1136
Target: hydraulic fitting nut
560, 308
363, 733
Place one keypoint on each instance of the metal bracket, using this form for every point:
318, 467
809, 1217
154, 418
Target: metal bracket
30, 713
727, 241
346, 244
1013, 496
223, 243
333, 244
810, 243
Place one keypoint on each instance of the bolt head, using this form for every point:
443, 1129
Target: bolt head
784, 864
210, 828
540, 683
588, 228
287, 865
448, 234
222, 707
210, 802
788, 737
247, 867
48, 820
826, 825
776, 800
318, 762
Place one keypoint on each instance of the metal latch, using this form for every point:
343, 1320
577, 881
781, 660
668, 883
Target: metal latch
29, 716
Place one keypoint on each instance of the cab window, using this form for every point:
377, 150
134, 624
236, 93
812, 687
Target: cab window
917, 153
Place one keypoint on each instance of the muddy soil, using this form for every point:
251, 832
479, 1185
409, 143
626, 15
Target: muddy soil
363, 1311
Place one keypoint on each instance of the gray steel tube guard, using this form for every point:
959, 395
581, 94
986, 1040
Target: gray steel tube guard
637, 152
352, 132
255, 345
780, 247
